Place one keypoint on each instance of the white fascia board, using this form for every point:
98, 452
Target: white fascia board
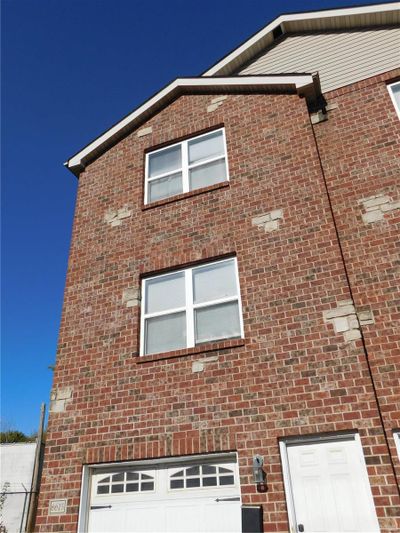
310, 15
300, 83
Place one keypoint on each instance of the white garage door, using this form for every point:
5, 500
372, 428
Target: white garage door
327, 486
195, 497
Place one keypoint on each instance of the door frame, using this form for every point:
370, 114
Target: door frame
89, 469
312, 439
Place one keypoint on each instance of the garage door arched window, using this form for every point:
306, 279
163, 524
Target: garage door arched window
202, 476
123, 482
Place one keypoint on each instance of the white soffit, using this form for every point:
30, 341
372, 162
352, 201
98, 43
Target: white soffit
306, 85
376, 15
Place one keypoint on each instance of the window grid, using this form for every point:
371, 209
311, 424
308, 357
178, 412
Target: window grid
130, 482
190, 306
185, 167
202, 479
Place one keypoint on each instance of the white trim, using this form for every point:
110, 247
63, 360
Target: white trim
301, 83
396, 436
84, 500
395, 104
312, 439
185, 166
321, 16
190, 306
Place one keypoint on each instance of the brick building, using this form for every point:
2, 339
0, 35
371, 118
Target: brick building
229, 349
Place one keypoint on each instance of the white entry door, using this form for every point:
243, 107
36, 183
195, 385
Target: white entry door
197, 497
327, 486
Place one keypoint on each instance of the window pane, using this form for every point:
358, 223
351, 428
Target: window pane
208, 469
132, 487
177, 484
165, 187
165, 292
206, 147
193, 482
194, 471
209, 481
165, 333
226, 480
165, 161
103, 489
118, 477
207, 174
147, 486
132, 476
117, 488
214, 281
217, 322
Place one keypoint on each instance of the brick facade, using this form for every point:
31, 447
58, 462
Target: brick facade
293, 374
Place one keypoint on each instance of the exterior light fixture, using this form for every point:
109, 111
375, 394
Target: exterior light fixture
258, 473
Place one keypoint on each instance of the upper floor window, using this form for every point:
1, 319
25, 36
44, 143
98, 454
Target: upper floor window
188, 307
394, 91
182, 167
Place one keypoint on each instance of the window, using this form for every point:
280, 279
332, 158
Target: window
125, 482
201, 476
185, 166
396, 436
188, 307
394, 91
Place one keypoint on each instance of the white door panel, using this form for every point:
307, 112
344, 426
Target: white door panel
329, 487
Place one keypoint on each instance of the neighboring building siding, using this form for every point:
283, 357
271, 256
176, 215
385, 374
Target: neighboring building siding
17, 462
292, 375
340, 58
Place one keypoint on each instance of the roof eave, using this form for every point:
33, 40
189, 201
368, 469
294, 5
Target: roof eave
305, 85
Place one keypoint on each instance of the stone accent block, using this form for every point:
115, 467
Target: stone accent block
269, 221
114, 217
216, 102
198, 366
344, 320
376, 206
144, 131
366, 317
131, 297
59, 398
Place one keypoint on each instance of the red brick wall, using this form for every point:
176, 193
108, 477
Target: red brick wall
292, 374
359, 147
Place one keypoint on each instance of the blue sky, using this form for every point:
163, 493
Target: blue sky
70, 69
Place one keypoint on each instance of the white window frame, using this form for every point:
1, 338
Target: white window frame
396, 436
395, 104
185, 166
190, 306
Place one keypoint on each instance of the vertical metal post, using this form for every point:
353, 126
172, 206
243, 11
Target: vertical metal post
30, 522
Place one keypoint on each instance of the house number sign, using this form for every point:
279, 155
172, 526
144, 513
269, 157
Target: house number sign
58, 507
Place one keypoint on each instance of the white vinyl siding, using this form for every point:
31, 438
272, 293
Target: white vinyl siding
192, 306
182, 167
341, 58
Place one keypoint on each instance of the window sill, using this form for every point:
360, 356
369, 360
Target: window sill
185, 195
202, 348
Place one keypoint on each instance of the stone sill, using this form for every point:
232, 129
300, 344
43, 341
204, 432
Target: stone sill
202, 348
185, 195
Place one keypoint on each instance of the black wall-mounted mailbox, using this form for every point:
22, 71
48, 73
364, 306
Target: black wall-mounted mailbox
252, 519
